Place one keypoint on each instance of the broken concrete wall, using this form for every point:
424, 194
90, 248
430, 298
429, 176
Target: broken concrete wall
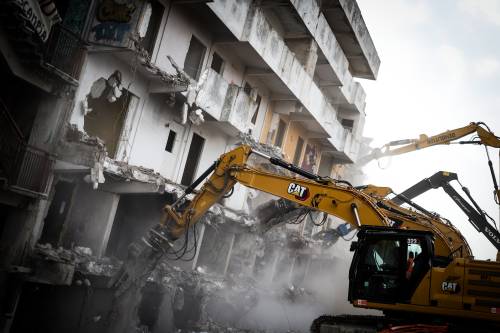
179, 29
103, 65
90, 219
234, 68
157, 119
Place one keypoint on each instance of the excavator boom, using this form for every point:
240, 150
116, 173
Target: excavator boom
326, 195
445, 283
484, 137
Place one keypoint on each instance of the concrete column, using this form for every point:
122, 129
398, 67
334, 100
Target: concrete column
274, 265
200, 244
228, 257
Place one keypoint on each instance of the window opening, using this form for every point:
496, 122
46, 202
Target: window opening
383, 255
247, 88
281, 134
170, 141
348, 124
148, 42
194, 58
193, 159
298, 151
217, 63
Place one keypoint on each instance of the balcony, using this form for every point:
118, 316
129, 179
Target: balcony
64, 54
345, 143
23, 168
227, 103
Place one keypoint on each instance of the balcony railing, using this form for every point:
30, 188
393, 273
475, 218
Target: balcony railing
23, 168
65, 53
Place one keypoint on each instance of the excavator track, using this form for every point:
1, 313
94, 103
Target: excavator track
384, 324
347, 324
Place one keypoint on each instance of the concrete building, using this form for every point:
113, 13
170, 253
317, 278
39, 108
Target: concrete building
130, 101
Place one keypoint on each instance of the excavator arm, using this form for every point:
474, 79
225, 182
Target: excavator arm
475, 214
484, 137
387, 234
337, 198
312, 191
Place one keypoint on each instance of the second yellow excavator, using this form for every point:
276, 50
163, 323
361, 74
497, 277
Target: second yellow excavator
446, 285
484, 136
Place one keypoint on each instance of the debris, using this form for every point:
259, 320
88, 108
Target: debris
81, 258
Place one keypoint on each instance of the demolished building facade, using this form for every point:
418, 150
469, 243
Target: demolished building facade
111, 108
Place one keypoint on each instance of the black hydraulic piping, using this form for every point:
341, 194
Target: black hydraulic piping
475, 215
197, 182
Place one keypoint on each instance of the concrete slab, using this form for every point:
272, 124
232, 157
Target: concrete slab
345, 19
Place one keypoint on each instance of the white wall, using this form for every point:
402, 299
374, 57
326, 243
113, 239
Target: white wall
175, 42
216, 144
103, 65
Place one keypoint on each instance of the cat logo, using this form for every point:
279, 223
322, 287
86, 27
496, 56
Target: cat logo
300, 192
450, 287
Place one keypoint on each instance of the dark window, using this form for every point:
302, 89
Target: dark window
148, 42
217, 63
170, 141
281, 134
298, 151
194, 58
348, 124
256, 113
193, 159
247, 88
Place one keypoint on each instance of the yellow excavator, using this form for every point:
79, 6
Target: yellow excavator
484, 136
446, 288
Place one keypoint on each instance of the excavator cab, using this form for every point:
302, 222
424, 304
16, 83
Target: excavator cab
388, 264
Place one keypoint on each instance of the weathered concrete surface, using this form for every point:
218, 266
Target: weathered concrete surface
328, 42
268, 43
346, 21
226, 102
342, 35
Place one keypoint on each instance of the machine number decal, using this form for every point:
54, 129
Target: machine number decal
300, 192
413, 241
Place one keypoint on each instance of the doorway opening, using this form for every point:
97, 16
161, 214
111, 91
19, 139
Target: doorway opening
58, 211
193, 159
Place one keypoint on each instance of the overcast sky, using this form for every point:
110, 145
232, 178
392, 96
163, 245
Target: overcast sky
440, 70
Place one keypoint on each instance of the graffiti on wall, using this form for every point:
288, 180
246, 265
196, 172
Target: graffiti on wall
114, 21
310, 157
40, 15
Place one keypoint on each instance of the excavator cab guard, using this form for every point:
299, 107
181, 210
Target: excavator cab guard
388, 264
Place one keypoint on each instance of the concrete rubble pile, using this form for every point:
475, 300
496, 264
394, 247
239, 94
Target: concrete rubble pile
78, 261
